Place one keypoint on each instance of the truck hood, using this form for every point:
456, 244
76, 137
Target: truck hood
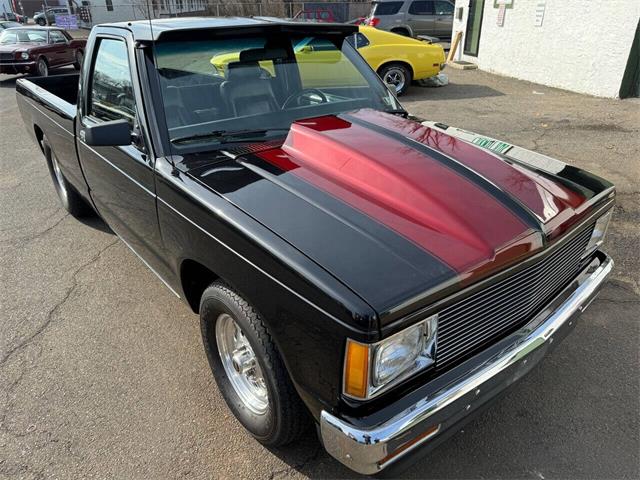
393, 209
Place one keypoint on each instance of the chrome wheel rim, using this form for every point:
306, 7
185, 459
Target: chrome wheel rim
62, 187
43, 70
241, 365
395, 77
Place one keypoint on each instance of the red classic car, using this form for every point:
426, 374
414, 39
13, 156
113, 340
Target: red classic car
37, 50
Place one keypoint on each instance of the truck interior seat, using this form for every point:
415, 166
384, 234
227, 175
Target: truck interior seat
247, 91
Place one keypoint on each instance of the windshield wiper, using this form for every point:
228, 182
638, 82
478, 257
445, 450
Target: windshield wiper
230, 136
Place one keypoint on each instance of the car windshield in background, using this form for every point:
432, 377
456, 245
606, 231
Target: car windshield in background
385, 8
23, 36
215, 88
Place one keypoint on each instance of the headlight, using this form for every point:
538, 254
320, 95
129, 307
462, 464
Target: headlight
599, 232
24, 55
370, 369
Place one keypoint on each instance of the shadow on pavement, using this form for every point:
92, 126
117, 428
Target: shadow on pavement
95, 222
453, 91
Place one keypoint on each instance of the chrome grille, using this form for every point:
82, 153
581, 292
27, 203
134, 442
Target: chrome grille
491, 313
6, 57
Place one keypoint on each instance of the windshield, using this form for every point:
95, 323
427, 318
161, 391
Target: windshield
23, 36
213, 87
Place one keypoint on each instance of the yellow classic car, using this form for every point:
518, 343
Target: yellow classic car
397, 59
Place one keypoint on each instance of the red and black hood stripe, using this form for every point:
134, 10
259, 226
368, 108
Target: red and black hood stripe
382, 204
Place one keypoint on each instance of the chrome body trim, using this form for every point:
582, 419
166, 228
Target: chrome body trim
369, 450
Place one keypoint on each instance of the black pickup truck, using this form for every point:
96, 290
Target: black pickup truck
352, 266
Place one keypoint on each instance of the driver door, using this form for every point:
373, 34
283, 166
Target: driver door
121, 179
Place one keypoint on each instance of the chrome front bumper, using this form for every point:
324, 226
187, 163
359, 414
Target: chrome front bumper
371, 449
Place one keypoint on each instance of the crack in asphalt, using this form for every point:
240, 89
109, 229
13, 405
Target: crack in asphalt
298, 466
8, 404
49, 317
28, 238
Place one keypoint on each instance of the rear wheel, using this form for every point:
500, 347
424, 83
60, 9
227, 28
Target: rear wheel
396, 76
70, 199
41, 21
43, 67
248, 368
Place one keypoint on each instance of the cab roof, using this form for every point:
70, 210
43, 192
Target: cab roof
151, 30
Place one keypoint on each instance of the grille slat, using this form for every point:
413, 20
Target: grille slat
498, 309
521, 276
481, 310
478, 336
523, 306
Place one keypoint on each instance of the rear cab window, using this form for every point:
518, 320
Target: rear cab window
385, 8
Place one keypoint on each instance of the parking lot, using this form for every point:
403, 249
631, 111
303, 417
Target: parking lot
102, 371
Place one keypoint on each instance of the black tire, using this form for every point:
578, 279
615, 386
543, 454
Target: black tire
69, 197
43, 67
79, 57
396, 70
286, 417
401, 31
41, 21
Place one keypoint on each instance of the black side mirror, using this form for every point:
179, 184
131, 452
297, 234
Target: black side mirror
107, 134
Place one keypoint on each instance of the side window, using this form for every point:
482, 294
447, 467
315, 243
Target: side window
358, 40
111, 90
56, 36
421, 7
443, 8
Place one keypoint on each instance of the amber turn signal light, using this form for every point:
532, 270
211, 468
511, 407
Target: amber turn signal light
356, 370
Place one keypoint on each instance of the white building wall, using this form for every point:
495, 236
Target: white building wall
582, 45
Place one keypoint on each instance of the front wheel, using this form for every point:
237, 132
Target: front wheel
43, 68
248, 368
41, 21
396, 76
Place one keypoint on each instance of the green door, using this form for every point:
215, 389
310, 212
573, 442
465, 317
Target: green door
474, 25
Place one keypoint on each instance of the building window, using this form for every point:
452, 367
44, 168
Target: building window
109, 5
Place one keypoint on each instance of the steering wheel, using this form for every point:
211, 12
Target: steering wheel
301, 94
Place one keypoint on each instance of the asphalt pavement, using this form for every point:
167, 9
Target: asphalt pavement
103, 375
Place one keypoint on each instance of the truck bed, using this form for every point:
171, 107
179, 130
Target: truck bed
64, 87
48, 106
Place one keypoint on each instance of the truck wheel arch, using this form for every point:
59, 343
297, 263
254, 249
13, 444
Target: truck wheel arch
194, 280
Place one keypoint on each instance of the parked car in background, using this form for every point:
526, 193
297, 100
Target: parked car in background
413, 17
351, 266
48, 17
38, 50
396, 59
5, 25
